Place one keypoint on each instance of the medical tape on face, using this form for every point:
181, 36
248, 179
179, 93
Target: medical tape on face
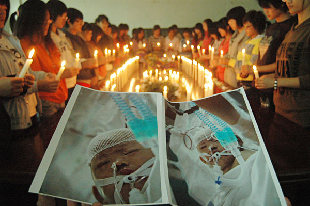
118, 181
222, 132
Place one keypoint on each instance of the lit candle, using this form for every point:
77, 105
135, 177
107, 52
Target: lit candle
158, 44
137, 88
131, 43
255, 72
170, 45
212, 54
107, 84
27, 64
187, 42
117, 45
173, 57
160, 79
165, 92
192, 47
113, 87
210, 48
109, 52
184, 45
144, 45
96, 56
165, 55
113, 52
199, 52
203, 51
77, 60
61, 70
222, 53
106, 52
243, 56
166, 78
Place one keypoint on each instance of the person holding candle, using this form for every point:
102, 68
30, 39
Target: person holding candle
290, 130
106, 41
156, 41
172, 43
58, 13
207, 23
254, 24
225, 32
140, 46
47, 56
73, 31
185, 43
234, 18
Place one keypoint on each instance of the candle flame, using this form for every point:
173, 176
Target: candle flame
170, 44
131, 43
173, 56
117, 45
63, 63
144, 44
165, 88
222, 52
31, 53
198, 47
165, 55
158, 44
77, 55
187, 42
243, 51
184, 45
96, 53
192, 47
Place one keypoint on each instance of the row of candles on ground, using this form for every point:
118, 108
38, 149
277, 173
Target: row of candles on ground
201, 76
119, 78
162, 75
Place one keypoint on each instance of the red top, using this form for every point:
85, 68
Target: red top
47, 61
206, 42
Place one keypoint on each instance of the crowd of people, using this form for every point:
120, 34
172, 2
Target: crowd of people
32, 105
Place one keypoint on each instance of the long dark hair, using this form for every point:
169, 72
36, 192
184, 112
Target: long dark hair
31, 20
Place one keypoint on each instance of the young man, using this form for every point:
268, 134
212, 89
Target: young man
116, 157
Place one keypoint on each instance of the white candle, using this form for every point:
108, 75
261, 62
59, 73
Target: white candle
199, 52
210, 48
173, 57
27, 64
77, 60
212, 54
165, 91
117, 45
107, 84
203, 51
144, 45
187, 42
61, 70
137, 88
222, 54
255, 72
113, 52
243, 56
158, 44
96, 57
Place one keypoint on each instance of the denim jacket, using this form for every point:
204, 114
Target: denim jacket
16, 107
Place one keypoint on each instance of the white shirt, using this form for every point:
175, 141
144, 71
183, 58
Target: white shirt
66, 51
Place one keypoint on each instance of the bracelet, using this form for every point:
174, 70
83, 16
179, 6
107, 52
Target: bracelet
275, 84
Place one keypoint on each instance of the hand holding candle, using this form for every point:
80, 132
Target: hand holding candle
27, 64
255, 72
61, 70
165, 92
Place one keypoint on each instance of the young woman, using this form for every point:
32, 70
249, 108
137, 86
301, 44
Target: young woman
290, 130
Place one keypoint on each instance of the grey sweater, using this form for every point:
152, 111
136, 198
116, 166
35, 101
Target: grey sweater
293, 60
